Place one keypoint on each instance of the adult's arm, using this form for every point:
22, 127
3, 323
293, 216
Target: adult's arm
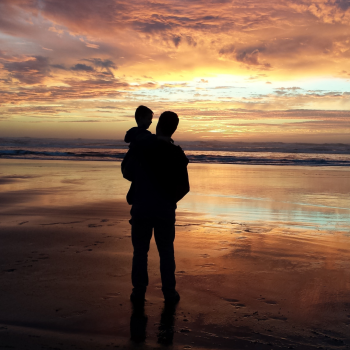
183, 184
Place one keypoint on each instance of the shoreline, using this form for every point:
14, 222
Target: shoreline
290, 163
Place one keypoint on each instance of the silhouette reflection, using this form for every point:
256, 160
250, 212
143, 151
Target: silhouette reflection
166, 325
138, 324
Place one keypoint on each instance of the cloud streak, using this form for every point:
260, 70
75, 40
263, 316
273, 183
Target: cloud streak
200, 57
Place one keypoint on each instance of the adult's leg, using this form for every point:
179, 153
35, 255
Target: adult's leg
141, 234
164, 234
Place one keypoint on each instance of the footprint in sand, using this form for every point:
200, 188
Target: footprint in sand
208, 265
279, 317
235, 303
238, 305
104, 220
74, 314
231, 300
220, 249
111, 295
94, 225
205, 256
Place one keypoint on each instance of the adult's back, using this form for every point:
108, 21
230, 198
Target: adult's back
160, 171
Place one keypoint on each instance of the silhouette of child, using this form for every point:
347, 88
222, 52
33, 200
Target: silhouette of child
143, 117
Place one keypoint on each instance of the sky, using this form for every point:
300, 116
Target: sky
232, 70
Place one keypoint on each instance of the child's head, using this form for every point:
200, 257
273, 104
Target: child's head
143, 116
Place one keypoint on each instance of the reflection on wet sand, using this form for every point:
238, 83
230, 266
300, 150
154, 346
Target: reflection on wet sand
166, 325
303, 196
138, 324
244, 283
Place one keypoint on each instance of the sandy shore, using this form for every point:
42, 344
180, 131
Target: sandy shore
65, 274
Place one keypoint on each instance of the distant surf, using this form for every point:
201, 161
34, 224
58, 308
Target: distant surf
257, 153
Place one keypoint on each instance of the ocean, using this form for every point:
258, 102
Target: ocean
257, 153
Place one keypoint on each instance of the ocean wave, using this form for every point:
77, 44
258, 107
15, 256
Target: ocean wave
268, 161
219, 157
31, 154
27, 143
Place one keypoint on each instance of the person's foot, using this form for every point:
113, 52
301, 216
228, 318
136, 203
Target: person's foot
172, 297
137, 298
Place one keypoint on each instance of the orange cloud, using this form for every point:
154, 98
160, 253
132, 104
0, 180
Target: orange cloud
85, 53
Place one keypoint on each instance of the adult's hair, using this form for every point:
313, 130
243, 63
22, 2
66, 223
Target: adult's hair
168, 122
141, 112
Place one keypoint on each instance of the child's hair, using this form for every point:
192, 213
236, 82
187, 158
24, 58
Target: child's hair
168, 122
141, 112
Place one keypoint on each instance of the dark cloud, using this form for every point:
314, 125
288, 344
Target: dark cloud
152, 26
31, 71
227, 49
343, 4
190, 41
176, 40
58, 66
80, 67
251, 58
99, 67
104, 65
248, 56
98, 62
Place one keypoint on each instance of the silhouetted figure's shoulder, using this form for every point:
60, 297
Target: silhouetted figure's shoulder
180, 154
172, 154
159, 152
136, 134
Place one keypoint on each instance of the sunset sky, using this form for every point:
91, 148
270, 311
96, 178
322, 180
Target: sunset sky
233, 70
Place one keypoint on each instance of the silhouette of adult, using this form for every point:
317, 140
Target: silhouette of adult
158, 171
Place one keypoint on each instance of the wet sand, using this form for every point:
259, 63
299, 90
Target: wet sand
66, 259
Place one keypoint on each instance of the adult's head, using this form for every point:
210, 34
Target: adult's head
143, 116
167, 124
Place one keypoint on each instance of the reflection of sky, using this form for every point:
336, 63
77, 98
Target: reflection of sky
316, 197
312, 197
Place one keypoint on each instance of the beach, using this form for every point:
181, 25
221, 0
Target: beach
262, 255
